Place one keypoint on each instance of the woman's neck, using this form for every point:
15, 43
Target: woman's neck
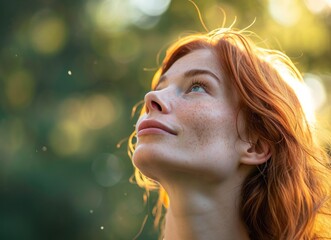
205, 211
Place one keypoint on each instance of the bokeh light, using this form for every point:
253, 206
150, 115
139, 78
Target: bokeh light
151, 7
131, 208
124, 47
318, 6
77, 118
66, 138
13, 136
115, 16
48, 33
97, 112
19, 88
317, 90
301, 90
285, 12
111, 16
107, 169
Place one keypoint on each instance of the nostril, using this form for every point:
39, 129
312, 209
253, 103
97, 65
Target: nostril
155, 105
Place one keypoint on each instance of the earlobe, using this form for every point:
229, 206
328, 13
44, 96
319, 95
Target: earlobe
255, 154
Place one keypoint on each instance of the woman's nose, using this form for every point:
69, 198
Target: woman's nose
155, 102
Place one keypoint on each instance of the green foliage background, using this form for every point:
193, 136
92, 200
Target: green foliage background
70, 73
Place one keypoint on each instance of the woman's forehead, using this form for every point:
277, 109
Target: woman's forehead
197, 60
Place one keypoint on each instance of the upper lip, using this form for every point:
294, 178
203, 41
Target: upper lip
148, 123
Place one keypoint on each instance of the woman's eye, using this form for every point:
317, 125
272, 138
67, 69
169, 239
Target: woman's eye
197, 88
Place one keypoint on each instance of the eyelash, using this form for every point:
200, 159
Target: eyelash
196, 82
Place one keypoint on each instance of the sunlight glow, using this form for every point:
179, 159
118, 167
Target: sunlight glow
151, 7
302, 91
317, 90
318, 6
116, 15
112, 16
285, 12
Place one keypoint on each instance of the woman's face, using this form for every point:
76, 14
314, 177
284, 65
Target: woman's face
190, 122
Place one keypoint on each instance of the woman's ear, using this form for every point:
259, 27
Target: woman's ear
255, 154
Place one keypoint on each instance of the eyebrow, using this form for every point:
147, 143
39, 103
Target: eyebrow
192, 73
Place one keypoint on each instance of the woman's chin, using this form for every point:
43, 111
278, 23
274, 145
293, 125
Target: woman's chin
146, 162
154, 162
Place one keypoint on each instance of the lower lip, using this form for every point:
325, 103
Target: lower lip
152, 131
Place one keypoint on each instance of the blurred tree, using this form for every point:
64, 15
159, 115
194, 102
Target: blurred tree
70, 72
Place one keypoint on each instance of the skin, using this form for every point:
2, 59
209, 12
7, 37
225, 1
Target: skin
202, 162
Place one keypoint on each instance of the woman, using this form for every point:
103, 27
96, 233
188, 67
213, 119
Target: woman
224, 138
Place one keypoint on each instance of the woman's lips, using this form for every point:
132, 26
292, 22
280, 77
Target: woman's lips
149, 126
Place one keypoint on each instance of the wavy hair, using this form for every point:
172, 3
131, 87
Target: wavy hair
287, 197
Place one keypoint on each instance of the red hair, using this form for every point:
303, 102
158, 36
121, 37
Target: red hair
288, 197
